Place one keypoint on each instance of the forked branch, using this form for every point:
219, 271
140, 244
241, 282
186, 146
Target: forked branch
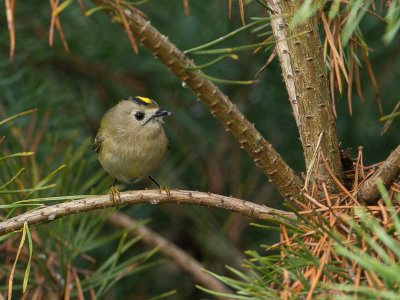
264, 155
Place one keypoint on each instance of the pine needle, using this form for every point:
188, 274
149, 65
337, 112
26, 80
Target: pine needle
373, 80
21, 244
186, 6
10, 22
126, 26
241, 12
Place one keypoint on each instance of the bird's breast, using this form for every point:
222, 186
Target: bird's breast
133, 155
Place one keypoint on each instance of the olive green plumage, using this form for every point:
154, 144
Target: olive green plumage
131, 141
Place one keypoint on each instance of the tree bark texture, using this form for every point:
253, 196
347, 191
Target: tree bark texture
388, 172
300, 54
50, 213
264, 155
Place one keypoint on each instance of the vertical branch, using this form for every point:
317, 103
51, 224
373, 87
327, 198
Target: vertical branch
304, 73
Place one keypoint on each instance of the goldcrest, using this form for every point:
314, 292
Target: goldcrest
131, 141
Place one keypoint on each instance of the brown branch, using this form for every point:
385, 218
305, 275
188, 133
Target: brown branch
49, 213
303, 70
171, 251
387, 173
264, 155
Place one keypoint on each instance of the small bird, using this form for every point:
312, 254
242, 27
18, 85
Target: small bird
131, 141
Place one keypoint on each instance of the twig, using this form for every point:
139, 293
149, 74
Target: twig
387, 172
50, 213
311, 166
169, 250
264, 155
390, 120
337, 181
315, 201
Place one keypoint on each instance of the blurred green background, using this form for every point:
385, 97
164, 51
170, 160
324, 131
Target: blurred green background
72, 92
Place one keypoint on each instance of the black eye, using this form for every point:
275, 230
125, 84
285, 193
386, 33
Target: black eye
139, 116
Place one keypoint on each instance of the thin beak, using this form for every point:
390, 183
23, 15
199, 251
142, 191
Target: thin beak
157, 114
160, 113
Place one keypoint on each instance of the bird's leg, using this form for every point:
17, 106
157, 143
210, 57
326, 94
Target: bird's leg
114, 192
161, 187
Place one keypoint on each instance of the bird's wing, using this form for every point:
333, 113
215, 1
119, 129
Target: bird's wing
98, 141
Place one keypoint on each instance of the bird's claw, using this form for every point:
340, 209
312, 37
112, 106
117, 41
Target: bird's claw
113, 193
166, 189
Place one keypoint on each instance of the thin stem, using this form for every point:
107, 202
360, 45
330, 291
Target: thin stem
225, 37
226, 81
245, 47
390, 116
213, 62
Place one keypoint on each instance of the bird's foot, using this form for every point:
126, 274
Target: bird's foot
113, 195
162, 187
166, 189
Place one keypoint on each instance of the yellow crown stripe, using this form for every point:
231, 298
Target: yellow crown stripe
144, 99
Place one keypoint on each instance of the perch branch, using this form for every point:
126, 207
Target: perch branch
387, 172
264, 155
303, 71
49, 213
171, 251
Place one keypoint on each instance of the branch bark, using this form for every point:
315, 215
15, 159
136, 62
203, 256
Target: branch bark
50, 213
303, 70
387, 173
171, 251
264, 155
